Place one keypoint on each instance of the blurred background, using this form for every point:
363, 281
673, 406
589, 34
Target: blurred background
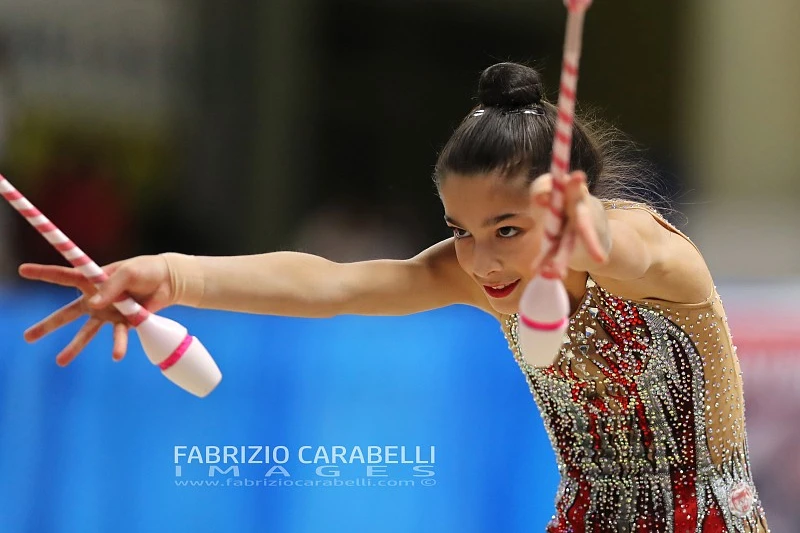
144, 126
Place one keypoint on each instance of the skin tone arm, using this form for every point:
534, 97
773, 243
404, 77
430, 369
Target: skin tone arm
280, 283
303, 285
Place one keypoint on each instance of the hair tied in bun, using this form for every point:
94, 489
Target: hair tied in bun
509, 86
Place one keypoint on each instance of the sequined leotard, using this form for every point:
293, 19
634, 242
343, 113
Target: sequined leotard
644, 408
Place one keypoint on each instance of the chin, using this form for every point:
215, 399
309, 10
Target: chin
505, 307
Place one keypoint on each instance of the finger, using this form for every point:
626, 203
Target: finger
59, 318
120, 342
112, 288
79, 342
541, 191
579, 176
579, 213
57, 275
61, 275
542, 200
575, 192
588, 234
542, 184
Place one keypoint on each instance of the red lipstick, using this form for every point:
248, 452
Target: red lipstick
501, 293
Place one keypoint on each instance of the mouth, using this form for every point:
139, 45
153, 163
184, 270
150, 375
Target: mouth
502, 290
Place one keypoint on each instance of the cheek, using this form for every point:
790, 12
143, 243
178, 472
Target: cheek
524, 251
464, 256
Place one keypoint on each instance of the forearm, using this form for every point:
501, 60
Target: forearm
278, 283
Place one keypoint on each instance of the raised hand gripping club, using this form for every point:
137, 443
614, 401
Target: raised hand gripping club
544, 304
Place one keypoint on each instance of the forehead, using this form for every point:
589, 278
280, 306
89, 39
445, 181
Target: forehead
481, 193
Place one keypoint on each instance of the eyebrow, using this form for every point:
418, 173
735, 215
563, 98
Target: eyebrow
486, 223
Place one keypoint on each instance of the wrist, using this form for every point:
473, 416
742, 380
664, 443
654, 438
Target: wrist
186, 278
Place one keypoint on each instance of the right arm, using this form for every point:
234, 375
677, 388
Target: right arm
304, 285
277, 283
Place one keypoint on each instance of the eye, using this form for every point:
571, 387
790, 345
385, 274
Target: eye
459, 233
507, 232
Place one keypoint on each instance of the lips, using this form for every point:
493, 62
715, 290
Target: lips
501, 290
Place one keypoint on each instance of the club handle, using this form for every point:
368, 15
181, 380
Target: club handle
562, 140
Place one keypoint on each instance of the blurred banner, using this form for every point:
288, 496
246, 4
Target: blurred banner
421, 423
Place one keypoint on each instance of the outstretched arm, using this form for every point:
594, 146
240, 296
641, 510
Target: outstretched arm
304, 285
279, 283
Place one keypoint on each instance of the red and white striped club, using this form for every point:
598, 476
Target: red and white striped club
544, 304
181, 357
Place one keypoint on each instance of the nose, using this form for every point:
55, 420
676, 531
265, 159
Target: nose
485, 263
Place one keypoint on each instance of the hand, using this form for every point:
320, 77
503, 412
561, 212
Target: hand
580, 226
145, 278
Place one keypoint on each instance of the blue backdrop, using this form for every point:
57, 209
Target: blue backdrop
91, 448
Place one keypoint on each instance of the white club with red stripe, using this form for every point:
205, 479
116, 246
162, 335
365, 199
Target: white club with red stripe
181, 357
544, 304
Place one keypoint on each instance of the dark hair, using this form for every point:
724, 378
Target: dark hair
512, 131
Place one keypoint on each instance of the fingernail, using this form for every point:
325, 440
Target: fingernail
94, 300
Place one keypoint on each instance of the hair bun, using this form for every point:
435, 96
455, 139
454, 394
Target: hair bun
509, 85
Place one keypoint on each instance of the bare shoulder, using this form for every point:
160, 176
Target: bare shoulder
676, 271
441, 263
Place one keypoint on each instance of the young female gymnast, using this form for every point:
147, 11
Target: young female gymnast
643, 403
